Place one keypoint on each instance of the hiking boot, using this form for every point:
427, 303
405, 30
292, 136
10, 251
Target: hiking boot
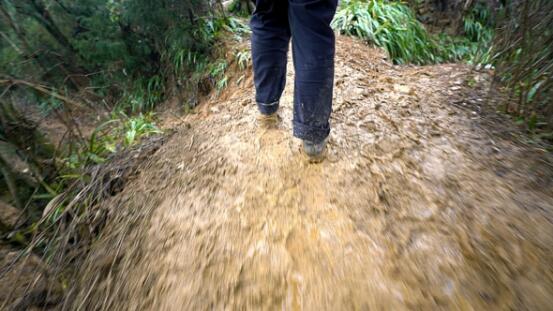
268, 121
315, 151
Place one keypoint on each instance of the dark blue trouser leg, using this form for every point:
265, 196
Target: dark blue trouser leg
308, 22
270, 39
313, 45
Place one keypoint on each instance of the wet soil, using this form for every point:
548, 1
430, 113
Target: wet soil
423, 203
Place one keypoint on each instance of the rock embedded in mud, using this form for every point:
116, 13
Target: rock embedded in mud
9, 215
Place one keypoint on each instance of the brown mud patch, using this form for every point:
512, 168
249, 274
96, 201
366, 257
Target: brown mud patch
418, 206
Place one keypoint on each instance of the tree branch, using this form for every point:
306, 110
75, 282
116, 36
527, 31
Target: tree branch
42, 89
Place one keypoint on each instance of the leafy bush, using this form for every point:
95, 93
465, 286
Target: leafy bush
478, 32
390, 25
477, 24
112, 136
393, 26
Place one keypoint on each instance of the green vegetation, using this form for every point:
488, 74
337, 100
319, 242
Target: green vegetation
393, 26
110, 137
478, 32
390, 25
477, 24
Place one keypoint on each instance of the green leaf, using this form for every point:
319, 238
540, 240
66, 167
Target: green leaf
533, 91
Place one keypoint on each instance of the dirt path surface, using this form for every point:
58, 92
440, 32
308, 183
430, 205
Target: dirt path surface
420, 205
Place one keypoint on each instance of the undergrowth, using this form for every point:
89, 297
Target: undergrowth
119, 132
393, 26
390, 25
523, 55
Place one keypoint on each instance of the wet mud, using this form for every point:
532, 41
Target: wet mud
420, 205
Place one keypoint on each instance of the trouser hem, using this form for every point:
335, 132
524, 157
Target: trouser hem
311, 133
268, 108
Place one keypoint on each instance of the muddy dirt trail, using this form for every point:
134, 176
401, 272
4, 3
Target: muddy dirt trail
423, 203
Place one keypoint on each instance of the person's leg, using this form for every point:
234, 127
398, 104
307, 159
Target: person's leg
270, 39
313, 44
